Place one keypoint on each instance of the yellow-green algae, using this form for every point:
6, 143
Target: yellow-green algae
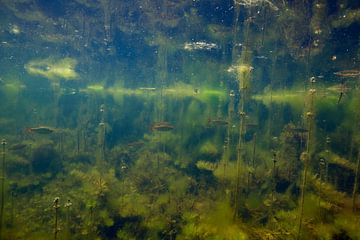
176, 91
339, 161
53, 69
216, 223
243, 73
296, 98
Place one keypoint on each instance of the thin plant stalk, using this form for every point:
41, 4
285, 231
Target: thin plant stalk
3, 143
101, 136
228, 134
253, 157
328, 141
68, 207
56, 207
239, 157
101, 143
322, 166
254, 151
356, 183
243, 89
302, 197
274, 178
306, 155
78, 136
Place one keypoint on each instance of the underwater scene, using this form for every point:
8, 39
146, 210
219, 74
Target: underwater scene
179, 119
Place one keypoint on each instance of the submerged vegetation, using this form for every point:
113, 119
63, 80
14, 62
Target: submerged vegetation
179, 119
53, 69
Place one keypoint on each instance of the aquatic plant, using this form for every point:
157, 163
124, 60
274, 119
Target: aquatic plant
101, 138
274, 175
356, 183
101, 143
214, 224
209, 151
239, 157
53, 69
337, 160
56, 206
306, 155
68, 206
346, 18
295, 99
309, 40
347, 225
292, 141
243, 72
94, 183
319, 26
254, 3
322, 169
229, 132
2, 199
219, 32
168, 185
327, 159
45, 158
243, 77
205, 165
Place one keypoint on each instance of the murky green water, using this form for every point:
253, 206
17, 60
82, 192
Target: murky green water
169, 119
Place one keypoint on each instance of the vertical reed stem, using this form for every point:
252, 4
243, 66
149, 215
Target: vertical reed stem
306, 155
3, 143
56, 206
356, 183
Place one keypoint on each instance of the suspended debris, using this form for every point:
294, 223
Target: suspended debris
200, 46
253, 3
14, 29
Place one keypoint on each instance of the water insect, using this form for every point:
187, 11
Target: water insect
340, 89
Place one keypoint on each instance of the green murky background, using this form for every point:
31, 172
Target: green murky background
179, 119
